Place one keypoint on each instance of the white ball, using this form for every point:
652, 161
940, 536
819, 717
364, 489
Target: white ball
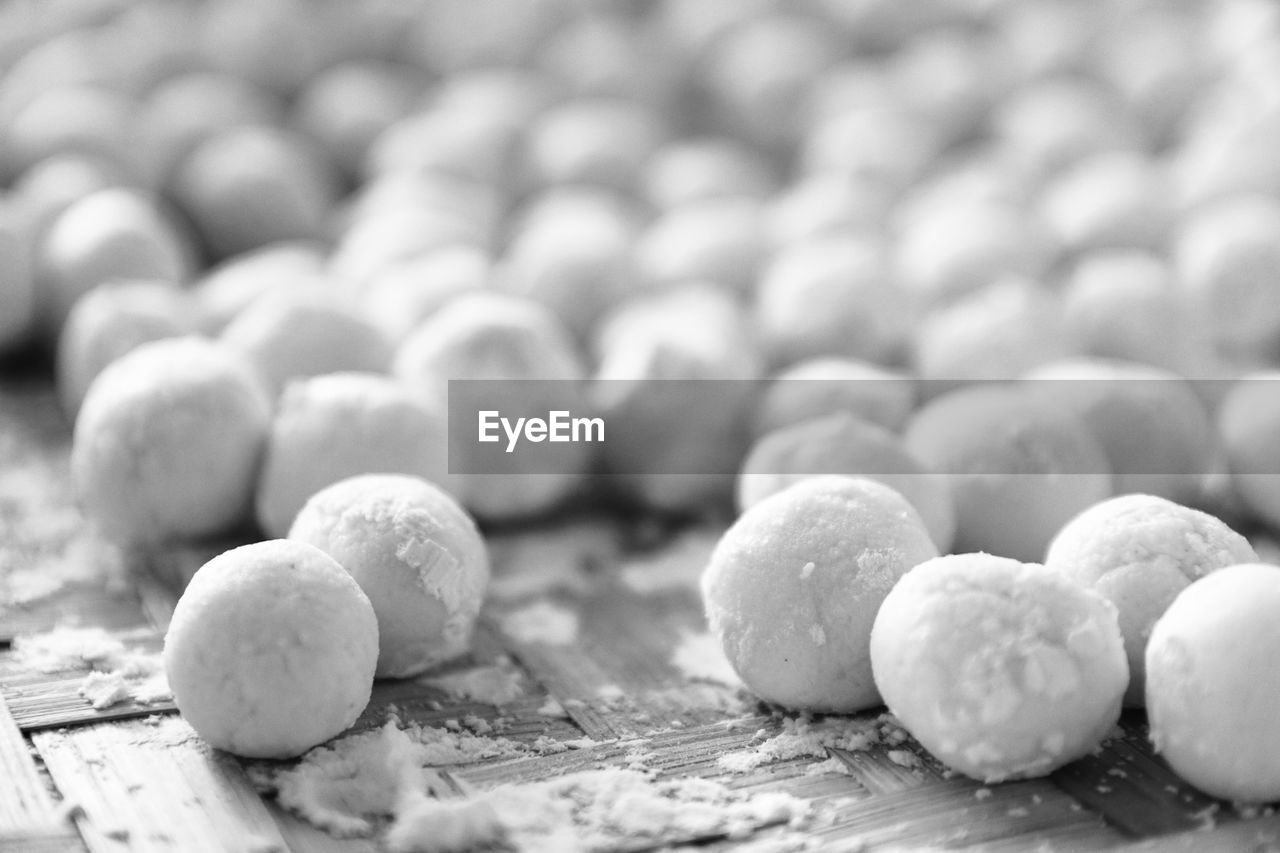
1140, 551
271, 650
417, 555
168, 441
1212, 685
1001, 669
337, 425
793, 587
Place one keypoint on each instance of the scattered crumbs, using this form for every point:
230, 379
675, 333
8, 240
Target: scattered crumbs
1018, 811
677, 566
1207, 817
117, 673
543, 622
453, 725
1250, 811
831, 765
593, 810
611, 694
904, 758
802, 738
982, 793
498, 684
165, 731
699, 657
547, 745
479, 725
552, 708
579, 743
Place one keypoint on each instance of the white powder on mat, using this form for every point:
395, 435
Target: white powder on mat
801, 738
594, 810
543, 622
700, 658
119, 674
677, 566
498, 684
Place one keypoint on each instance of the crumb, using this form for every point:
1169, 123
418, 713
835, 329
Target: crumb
801, 738
496, 685
542, 622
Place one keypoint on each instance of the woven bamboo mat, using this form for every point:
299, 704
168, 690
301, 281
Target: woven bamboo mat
587, 618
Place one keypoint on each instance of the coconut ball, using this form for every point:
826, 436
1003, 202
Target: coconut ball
417, 555
1213, 686
721, 240
998, 332
793, 587
168, 440
833, 296
822, 386
108, 322
676, 445
255, 184
337, 425
400, 297
502, 345
271, 650
231, 286
1139, 552
1018, 468
703, 167
113, 233
1249, 429
1154, 427
1118, 199
1226, 254
842, 443
299, 332
600, 141
1001, 669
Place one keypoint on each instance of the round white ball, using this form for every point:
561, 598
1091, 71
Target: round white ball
417, 555
1001, 669
271, 650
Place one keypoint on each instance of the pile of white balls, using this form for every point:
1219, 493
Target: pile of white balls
260, 236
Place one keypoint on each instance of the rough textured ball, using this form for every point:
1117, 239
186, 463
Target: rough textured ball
271, 650
168, 441
417, 555
1213, 687
1140, 552
793, 587
1001, 669
844, 444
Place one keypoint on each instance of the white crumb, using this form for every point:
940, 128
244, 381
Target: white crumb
800, 738
117, 675
542, 622
496, 685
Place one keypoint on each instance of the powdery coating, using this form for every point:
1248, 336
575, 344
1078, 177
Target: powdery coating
793, 587
1003, 670
168, 441
296, 333
842, 443
271, 650
1140, 552
1213, 686
338, 425
415, 553
1018, 469
111, 320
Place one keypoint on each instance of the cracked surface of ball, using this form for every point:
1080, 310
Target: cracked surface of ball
271, 650
416, 554
1001, 669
